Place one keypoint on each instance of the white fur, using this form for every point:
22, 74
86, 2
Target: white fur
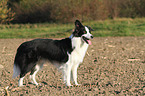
32, 77
88, 34
21, 82
16, 71
75, 58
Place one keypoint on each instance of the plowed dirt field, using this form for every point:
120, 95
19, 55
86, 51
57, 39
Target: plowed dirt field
112, 66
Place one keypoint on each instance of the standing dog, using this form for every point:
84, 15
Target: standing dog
65, 54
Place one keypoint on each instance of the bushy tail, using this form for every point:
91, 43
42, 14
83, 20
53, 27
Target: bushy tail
16, 71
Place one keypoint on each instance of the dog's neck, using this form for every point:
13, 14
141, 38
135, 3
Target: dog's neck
80, 47
78, 43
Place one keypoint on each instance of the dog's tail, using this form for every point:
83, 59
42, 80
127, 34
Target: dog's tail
16, 70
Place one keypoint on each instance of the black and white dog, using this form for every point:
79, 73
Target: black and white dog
66, 54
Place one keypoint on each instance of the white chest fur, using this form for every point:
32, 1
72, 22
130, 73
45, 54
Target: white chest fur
69, 69
80, 49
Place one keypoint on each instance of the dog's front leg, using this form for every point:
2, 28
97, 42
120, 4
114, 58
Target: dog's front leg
74, 74
68, 74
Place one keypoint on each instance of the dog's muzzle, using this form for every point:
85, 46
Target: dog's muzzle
87, 40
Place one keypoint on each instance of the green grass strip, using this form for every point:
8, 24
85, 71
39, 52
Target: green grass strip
117, 27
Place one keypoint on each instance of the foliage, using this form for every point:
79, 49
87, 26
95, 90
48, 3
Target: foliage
64, 11
6, 14
33, 11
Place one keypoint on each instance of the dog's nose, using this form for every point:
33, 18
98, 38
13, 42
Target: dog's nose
92, 37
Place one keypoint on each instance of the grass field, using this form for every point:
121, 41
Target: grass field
116, 27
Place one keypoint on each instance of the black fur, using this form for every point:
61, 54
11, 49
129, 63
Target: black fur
80, 29
30, 52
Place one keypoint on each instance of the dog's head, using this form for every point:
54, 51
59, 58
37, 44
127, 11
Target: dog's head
83, 31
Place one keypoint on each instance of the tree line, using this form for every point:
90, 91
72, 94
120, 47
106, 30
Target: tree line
64, 11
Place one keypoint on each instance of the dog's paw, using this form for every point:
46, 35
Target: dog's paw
69, 85
20, 85
77, 85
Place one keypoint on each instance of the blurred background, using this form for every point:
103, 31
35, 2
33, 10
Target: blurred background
64, 11
55, 18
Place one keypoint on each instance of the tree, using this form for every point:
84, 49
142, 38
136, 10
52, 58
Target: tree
6, 14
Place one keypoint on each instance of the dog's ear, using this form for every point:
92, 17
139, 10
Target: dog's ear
78, 27
90, 28
78, 24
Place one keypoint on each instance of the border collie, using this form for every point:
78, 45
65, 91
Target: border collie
65, 54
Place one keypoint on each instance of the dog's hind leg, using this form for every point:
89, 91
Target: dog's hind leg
33, 74
21, 81
34, 71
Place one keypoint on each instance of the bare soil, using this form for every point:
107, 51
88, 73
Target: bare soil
112, 66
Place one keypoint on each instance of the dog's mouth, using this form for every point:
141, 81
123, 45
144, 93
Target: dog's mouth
87, 40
